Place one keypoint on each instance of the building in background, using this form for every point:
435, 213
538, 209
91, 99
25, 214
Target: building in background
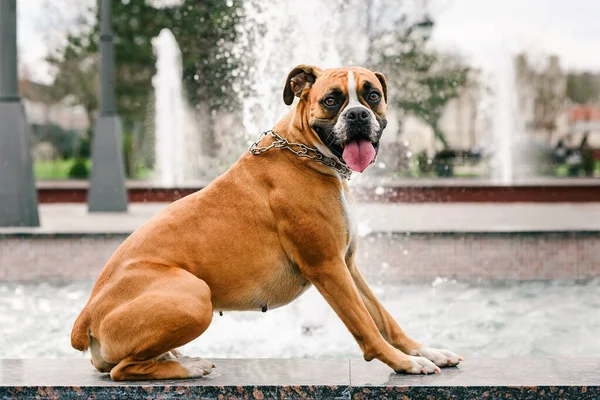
463, 123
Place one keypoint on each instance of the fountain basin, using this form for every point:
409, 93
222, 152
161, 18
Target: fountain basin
414, 241
397, 191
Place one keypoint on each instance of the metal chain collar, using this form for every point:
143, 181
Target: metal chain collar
302, 151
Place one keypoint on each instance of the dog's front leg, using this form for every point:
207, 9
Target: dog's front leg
332, 279
392, 332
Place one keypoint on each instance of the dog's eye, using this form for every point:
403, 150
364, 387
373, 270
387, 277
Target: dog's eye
330, 101
374, 96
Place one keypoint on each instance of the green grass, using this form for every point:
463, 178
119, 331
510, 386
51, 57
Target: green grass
59, 169
54, 169
562, 170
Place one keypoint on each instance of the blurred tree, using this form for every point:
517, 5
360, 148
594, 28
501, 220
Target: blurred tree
549, 99
583, 87
63, 140
424, 80
206, 32
76, 81
135, 23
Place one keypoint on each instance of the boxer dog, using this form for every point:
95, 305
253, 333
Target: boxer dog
278, 221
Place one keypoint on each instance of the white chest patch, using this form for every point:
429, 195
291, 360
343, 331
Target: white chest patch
349, 210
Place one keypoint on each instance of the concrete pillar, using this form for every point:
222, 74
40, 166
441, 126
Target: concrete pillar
18, 196
107, 182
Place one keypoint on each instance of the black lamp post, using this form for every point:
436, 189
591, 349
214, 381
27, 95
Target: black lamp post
18, 197
107, 182
424, 28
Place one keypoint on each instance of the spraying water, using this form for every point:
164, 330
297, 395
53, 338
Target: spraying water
517, 151
504, 126
176, 134
272, 39
277, 37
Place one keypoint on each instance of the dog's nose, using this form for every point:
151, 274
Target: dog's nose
357, 114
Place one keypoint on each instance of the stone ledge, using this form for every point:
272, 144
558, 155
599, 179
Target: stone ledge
313, 379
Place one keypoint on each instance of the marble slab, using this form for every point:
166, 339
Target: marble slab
567, 379
239, 378
576, 379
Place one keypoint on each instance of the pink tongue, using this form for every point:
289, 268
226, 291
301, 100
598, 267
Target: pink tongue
358, 154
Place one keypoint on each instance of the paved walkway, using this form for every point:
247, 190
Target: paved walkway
399, 217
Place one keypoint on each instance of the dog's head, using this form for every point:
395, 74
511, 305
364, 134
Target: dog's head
345, 108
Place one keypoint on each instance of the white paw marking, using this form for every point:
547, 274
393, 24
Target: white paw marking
196, 366
176, 353
421, 365
170, 355
441, 358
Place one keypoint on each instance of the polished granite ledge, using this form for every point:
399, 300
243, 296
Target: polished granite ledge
576, 379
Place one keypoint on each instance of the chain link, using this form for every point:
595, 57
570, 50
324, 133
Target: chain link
299, 149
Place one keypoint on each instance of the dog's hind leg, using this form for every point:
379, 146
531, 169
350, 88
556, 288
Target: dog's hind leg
97, 360
137, 335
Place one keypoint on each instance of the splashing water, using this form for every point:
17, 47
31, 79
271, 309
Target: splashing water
504, 126
177, 145
517, 152
561, 319
276, 38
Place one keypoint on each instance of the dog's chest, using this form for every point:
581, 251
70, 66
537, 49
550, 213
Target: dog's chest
283, 285
349, 213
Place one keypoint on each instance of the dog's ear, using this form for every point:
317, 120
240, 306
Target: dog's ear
300, 78
381, 78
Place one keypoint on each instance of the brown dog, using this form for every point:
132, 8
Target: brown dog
256, 238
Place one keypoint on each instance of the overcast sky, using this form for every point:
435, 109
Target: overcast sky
479, 29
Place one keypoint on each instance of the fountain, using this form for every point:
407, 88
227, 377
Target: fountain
518, 153
504, 123
276, 38
271, 40
177, 142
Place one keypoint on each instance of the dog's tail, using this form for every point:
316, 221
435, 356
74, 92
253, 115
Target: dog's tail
80, 337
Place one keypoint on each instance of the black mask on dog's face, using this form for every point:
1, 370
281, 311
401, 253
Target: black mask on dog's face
345, 105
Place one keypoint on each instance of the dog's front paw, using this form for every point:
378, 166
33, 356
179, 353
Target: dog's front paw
441, 358
421, 365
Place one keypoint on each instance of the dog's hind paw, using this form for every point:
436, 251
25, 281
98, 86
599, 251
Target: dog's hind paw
170, 355
441, 358
196, 366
